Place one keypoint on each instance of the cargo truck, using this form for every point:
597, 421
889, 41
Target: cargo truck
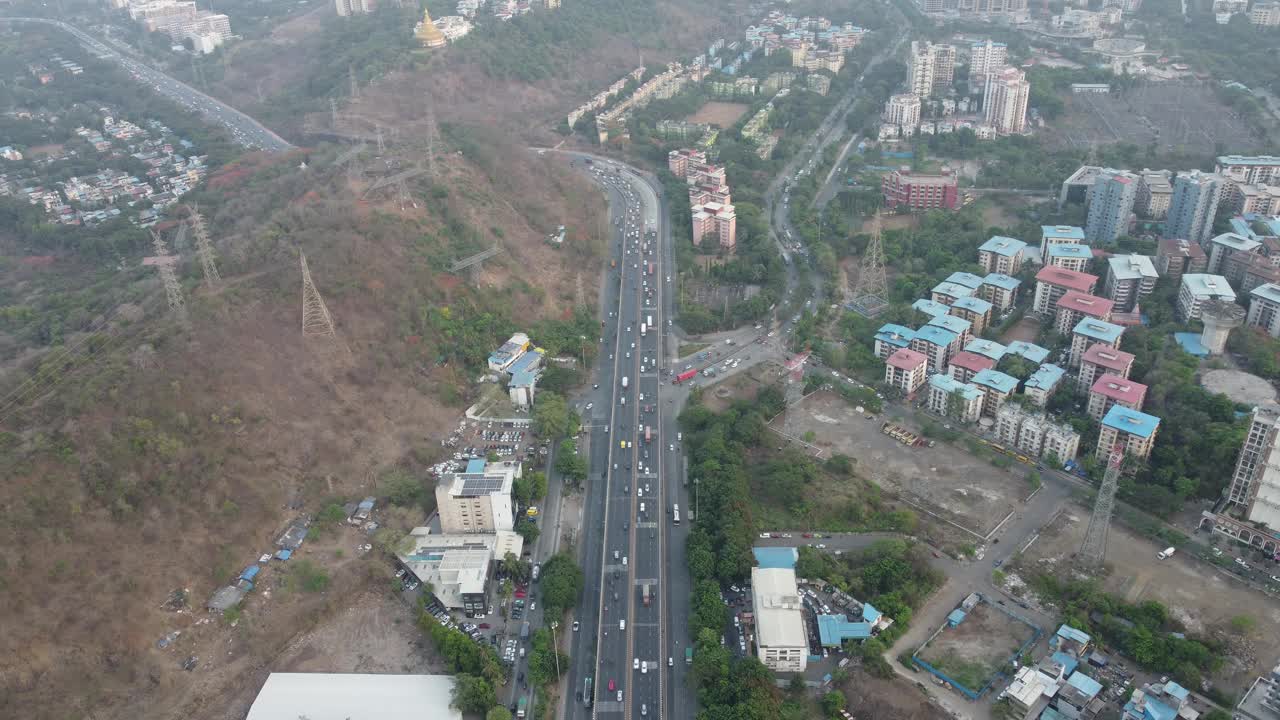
688, 656
641, 329
685, 376
1166, 553
647, 436
644, 594
522, 707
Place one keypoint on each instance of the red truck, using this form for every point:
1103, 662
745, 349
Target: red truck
651, 267
647, 436
685, 376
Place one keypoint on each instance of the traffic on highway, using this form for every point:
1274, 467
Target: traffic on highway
244, 129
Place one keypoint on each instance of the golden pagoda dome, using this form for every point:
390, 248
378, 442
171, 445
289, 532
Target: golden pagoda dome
427, 32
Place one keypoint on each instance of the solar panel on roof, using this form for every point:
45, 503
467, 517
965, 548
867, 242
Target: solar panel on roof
481, 485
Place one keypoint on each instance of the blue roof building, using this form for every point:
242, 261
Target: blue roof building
778, 558
835, 629
1176, 691
969, 280
1133, 422
986, 348
1062, 233
995, 380
973, 304
950, 385
951, 290
1070, 634
1099, 330
935, 335
955, 617
957, 325
1003, 246
890, 338
1002, 281
1068, 661
929, 307
1085, 684
870, 614
1032, 352
1069, 255
1149, 709
1045, 378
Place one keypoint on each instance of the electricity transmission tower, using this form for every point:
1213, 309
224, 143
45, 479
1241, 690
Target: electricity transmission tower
870, 294
1094, 548
204, 249
316, 321
433, 133
165, 264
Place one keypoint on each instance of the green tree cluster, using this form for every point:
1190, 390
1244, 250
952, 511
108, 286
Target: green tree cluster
560, 581
461, 654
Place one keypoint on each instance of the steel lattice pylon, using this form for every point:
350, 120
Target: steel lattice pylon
870, 294
1094, 548
316, 321
164, 264
204, 249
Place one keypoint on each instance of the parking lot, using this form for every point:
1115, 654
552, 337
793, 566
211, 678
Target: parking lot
944, 479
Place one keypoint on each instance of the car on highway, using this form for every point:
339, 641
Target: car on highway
635, 664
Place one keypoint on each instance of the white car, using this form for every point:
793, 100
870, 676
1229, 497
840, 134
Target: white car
635, 664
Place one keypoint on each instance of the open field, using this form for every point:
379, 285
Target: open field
944, 479
1026, 329
1240, 386
720, 114
873, 698
1175, 116
375, 634
1201, 598
973, 652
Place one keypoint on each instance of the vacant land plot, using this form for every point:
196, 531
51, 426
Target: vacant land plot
1200, 597
376, 634
720, 114
979, 648
873, 698
720, 394
1173, 116
1240, 386
1025, 329
943, 479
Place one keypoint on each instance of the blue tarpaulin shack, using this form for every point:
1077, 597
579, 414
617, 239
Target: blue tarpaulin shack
776, 557
956, 617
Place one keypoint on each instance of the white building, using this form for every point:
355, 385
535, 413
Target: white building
1264, 309
353, 7
458, 566
1005, 101
781, 642
1196, 288
1255, 484
985, 58
1129, 279
903, 110
289, 696
478, 499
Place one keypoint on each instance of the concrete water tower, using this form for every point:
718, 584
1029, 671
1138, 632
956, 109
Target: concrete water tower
1220, 318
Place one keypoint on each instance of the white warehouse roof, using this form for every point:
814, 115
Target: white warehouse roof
777, 605
332, 696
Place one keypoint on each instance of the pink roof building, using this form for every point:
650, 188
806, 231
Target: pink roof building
966, 364
1054, 282
906, 370
1101, 360
1075, 306
1110, 390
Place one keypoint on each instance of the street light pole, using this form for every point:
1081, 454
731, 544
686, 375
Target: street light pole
697, 513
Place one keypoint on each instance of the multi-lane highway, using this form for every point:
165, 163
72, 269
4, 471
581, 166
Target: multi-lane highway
244, 129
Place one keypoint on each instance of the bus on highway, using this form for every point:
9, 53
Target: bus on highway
522, 706
586, 692
675, 514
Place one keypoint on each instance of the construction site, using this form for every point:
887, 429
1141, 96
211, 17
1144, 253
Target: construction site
978, 645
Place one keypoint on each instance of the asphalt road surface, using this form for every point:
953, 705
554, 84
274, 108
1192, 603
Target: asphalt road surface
244, 129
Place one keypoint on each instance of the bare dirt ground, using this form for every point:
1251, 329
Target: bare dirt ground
873, 698
1178, 116
741, 386
944, 479
1240, 386
376, 633
1200, 597
1026, 330
720, 114
973, 651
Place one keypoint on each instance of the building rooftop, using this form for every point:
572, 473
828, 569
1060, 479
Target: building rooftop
936, 335
972, 361
1131, 421
1099, 330
1269, 292
777, 607
895, 335
1090, 305
995, 380
948, 384
1045, 377
987, 348
1032, 352
969, 280
973, 304
1069, 279
1132, 267
1070, 251
1004, 246
930, 308
1174, 690
905, 359
324, 696
1203, 286
1118, 388
1248, 160
1085, 684
1108, 358
834, 629
1236, 242
1002, 281
1066, 232
952, 289
1177, 246
957, 325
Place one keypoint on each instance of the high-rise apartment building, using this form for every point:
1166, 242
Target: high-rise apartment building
1129, 279
1075, 306
985, 58
716, 221
1155, 192
1110, 390
1177, 256
1088, 333
1059, 235
930, 68
1255, 484
353, 7
1193, 206
1001, 254
1114, 192
1054, 282
1264, 309
1131, 431
906, 370
1241, 170
903, 110
1101, 360
1265, 14
1004, 100
1197, 288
